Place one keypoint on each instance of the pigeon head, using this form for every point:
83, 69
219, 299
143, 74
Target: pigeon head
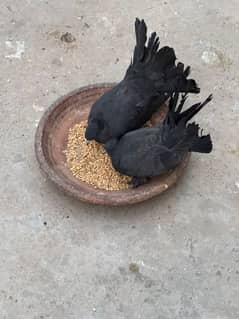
110, 145
91, 131
97, 130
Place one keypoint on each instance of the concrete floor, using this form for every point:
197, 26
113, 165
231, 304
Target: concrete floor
176, 256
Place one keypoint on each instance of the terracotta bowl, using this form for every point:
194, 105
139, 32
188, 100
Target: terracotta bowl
51, 140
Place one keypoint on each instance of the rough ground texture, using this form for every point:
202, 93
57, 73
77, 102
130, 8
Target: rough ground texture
176, 256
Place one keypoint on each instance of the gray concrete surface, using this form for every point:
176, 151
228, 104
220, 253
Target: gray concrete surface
176, 256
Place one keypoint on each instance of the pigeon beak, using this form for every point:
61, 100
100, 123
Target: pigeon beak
87, 141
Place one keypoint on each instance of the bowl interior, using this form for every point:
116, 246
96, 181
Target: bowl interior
51, 141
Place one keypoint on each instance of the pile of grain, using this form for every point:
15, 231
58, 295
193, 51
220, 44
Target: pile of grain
90, 162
